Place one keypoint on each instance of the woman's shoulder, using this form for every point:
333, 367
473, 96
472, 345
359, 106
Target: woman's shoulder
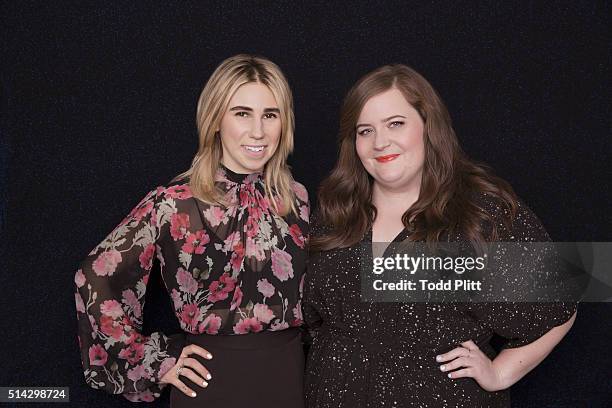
176, 189
318, 226
300, 191
522, 224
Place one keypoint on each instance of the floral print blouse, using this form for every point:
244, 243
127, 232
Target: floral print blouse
229, 271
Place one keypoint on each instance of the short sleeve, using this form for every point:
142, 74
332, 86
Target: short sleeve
110, 291
522, 323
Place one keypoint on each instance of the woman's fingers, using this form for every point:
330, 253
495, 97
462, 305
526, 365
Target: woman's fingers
456, 363
184, 388
189, 368
193, 349
196, 379
453, 354
470, 345
197, 367
466, 372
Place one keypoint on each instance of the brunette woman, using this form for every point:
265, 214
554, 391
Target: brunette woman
402, 176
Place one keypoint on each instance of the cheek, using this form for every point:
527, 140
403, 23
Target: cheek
231, 129
275, 129
362, 149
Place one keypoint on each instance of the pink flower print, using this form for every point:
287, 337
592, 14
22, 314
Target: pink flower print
214, 215
245, 198
196, 242
130, 299
252, 227
135, 337
179, 225
97, 355
264, 204
106, 263
248, 325
237, 299
182, 192
219, 289
111, 308
276, 326
186, 281
296, 234
263, 313
237, 257
80, 306
265, 288
94, 325
111, 327
165, 366
300, 192
140, 212
281, 265
140, 396
133, 353
210, 325
305, 213
238, 248
297, 314
190, 314
255, 213
153, 217
279, 204
137, 373
254, 250
146, 257
79, 278
176, 299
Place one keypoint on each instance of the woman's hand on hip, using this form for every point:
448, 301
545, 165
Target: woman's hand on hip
469, 361
190, 368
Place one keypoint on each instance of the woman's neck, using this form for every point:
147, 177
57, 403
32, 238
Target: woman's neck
394, 201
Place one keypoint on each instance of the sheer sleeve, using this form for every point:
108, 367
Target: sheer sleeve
313, 301
110, 291
522, 323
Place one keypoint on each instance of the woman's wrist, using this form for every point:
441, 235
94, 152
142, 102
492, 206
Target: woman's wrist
503, 378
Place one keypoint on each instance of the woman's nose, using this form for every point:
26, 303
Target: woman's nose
257, 131
381, 141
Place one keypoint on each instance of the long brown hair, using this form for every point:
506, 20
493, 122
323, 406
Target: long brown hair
448, 199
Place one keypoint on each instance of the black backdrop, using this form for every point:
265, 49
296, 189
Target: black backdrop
98, 106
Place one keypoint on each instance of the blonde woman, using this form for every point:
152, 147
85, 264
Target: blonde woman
229, 234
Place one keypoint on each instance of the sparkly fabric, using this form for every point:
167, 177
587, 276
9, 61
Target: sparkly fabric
383, 354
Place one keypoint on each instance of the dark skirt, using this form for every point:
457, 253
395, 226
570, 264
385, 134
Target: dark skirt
248, 371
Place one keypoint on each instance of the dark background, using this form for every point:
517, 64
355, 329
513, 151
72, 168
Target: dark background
98, 107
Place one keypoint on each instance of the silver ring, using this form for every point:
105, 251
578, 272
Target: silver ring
178, 371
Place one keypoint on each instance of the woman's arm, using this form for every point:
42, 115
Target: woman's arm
110, 292
513, 363
508, 367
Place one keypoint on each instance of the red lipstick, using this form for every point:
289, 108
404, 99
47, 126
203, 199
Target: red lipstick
387, 158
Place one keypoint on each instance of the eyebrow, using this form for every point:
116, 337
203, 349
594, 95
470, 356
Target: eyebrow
382, 121
246, 108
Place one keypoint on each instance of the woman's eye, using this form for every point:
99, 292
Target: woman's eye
242, 114
396, 123
270, 116
364, 132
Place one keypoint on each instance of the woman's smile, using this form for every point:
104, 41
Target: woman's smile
387, 158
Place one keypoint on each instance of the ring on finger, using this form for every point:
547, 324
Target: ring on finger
178, 371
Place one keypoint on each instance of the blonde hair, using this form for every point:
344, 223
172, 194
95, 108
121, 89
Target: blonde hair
214, 100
